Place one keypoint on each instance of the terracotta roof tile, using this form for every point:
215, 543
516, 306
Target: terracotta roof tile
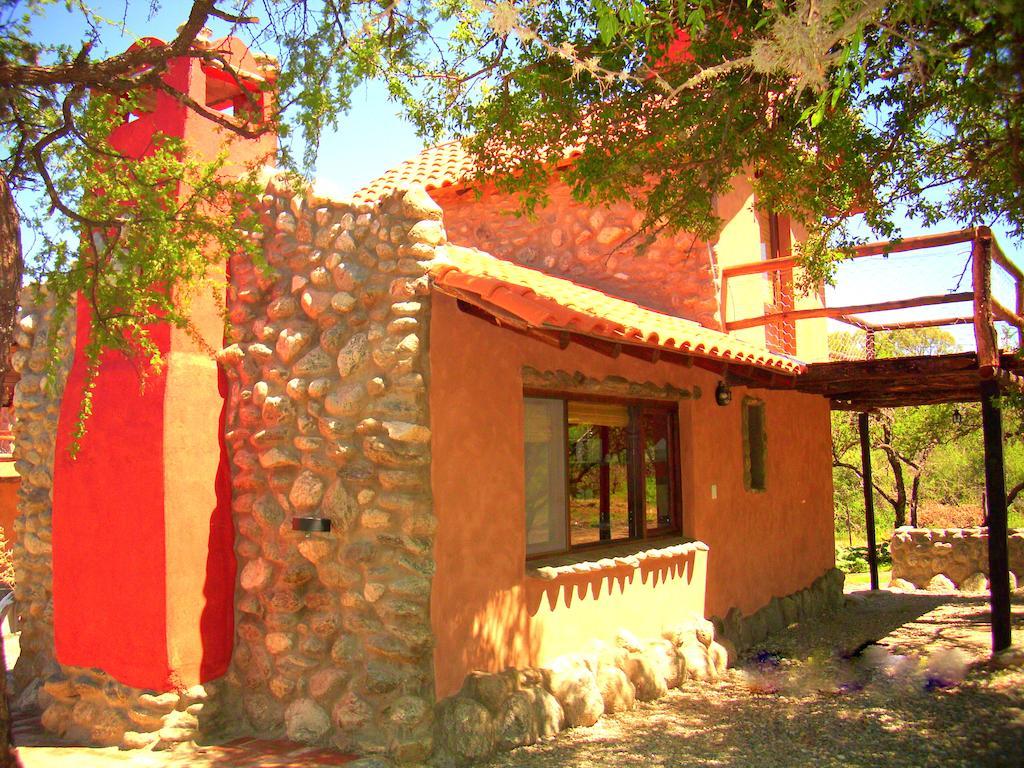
443, 165
543, 301
440, 166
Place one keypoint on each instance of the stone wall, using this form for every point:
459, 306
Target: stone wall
327, 417
950, 558
592, 246
35, 429
739, 633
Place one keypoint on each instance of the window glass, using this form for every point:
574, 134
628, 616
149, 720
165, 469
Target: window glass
545, 475
657, 447
598, 471
598, 483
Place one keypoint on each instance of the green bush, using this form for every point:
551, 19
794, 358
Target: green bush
855, 559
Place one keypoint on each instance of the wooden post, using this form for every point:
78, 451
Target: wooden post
869, 497
981, 272
1019, 305
995, 493
605, 489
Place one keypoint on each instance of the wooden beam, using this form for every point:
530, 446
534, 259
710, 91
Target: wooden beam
853, 320
1000, 258
995, 492
511, 323
757, 267
1002, 313
884, 247
880, 248
869, 495
887, 368
881, 306
904, 324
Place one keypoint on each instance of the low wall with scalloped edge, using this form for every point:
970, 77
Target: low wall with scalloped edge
499, 711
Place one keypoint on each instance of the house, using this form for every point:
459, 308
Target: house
462, 479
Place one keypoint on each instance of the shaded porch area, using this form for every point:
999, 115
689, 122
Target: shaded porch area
866, 380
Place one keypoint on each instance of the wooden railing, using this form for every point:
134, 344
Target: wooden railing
986, 308
6, 445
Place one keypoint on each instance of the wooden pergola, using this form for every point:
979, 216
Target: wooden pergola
869, 384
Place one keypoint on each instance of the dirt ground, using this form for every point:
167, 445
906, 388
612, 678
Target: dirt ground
901, 703
926, 695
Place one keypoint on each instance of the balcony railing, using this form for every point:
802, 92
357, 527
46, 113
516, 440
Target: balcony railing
979, 307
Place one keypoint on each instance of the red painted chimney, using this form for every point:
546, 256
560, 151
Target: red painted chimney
143, 556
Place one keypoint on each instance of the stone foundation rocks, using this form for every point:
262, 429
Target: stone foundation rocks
503, 710
738, 633
944, 559
89, 706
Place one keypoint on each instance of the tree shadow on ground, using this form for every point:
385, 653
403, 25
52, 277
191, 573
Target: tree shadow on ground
817, 718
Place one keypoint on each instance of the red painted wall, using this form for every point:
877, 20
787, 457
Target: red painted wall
109, 573
143, 554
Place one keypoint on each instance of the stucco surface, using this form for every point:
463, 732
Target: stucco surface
108, 522
761, 544
9, 503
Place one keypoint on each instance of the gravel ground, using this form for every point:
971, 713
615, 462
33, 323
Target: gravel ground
804, 705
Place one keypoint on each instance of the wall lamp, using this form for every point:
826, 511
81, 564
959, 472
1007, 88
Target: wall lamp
723, 393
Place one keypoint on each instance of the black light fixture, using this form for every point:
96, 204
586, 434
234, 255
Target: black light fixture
311, 524
958, 417
723, 393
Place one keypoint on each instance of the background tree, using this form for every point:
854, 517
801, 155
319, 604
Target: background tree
835, 105
906, 438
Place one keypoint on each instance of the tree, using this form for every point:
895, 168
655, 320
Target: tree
835, 105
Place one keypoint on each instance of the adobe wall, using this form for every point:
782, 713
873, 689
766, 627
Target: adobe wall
761, 544
674, 274
9, 482
327, 417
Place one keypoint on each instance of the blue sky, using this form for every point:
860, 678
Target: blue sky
372, 138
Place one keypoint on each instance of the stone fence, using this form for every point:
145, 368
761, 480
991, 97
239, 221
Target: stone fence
949, 558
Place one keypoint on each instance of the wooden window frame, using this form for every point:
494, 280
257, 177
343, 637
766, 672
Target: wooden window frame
635, 468
748, 448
